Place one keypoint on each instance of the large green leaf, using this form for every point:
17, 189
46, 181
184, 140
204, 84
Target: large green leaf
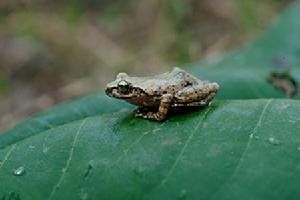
240, 149
93, 147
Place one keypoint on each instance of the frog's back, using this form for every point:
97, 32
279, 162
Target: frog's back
169, 82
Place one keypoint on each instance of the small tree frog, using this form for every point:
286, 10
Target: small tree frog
159, 94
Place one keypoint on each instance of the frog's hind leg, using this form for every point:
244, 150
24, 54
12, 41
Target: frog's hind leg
196, 95
162, 112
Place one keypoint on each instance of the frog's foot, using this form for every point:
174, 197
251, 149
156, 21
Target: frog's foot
153, 116
141, 111
162, 112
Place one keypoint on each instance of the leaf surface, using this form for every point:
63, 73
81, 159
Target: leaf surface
227, 150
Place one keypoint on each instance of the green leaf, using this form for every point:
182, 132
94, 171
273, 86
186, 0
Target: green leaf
232, 150
92, 105
94, 148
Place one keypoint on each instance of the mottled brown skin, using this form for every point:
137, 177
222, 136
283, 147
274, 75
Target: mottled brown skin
157, 95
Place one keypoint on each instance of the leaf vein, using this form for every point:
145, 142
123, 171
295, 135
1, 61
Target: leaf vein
187, 142
135, 142
64, 170
240, 161
7, 155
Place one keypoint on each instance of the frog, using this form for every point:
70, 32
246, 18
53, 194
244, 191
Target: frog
158, 95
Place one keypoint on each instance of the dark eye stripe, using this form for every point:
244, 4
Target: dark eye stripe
124, 87
123, 83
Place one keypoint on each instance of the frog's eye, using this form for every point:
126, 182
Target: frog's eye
124, 87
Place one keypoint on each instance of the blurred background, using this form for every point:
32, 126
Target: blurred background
53, 50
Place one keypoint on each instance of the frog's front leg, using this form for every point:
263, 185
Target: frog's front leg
163, 109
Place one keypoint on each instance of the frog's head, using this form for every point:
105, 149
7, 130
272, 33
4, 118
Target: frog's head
123, 87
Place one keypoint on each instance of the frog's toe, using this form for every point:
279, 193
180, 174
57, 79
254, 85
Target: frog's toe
155, 116
138, 111
138, 114
143, 115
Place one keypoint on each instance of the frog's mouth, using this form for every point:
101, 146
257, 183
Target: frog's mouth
116, 93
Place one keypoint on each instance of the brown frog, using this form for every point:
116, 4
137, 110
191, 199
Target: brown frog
157, 95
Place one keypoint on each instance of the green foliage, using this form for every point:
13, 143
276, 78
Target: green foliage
94, 148
176, 14
219, 147
249, 19
26, 26
75, 11
4, 85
